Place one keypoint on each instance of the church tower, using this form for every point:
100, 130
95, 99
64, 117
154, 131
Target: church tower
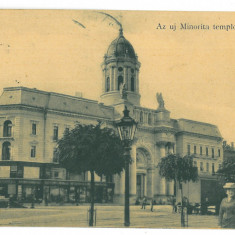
120, 69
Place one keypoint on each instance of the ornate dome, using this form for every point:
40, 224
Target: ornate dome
121, 47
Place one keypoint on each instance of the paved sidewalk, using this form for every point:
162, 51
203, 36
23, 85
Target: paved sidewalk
107, 216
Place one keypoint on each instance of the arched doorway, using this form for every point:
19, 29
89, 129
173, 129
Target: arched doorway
144, 173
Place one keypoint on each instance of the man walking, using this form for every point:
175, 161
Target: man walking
144, 203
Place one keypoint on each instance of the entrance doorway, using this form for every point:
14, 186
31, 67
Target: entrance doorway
140, 185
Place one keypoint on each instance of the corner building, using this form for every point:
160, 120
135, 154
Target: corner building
31, 122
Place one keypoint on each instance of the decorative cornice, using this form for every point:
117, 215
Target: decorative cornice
149, 129
114, 59
165, 129
162, 142
199, 135
7, 138
204, 157
52, 111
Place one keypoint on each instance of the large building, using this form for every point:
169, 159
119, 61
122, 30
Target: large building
31, 122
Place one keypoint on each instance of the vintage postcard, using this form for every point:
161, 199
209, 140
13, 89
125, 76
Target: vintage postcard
117, 119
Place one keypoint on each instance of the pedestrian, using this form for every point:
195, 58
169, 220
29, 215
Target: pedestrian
152, 202
227, 207
144, 203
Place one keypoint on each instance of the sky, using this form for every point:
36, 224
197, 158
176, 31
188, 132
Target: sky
194, 69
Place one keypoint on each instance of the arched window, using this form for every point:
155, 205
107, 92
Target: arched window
141, 117
132, 84
6, 151
149, 119
108, 84
120, 81
7, 128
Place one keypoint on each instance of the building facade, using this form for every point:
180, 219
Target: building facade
32, 121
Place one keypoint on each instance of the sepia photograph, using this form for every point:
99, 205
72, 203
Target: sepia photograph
117, 119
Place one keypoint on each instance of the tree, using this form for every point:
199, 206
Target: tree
179, 169
227, 171
94, 149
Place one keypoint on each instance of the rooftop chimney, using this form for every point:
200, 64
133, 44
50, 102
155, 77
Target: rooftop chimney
78, 94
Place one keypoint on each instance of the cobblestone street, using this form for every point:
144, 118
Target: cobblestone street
107, 216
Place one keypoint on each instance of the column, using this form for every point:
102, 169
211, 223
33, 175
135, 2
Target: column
171, 187
115, 80
145, 184
171, 183
137, 81
122, 183
157, 182
112, 79
150, 182
125, 77
104, 79
162, 180
88, 176
133, 171
116, 180
171, 148
129, 78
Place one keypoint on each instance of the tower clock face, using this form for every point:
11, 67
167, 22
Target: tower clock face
120, 69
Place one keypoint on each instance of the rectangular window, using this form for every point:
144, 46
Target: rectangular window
200, 150
219, 152
195, 163
213, 152
213, 168
201, 166
206, 151
195, 149
33, 151
34, 129
13, 171
55, 155
20, 171
207, 167
56, 174
188, 149
55, 133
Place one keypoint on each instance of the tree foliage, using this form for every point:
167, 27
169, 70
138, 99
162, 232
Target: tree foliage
91, 148
181, 169
227, 171
94, 149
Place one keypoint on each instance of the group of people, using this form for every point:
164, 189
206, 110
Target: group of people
226, 212
144, 203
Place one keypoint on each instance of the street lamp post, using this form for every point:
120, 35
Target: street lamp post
126, 129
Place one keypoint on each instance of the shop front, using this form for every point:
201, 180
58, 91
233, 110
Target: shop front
55, 191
